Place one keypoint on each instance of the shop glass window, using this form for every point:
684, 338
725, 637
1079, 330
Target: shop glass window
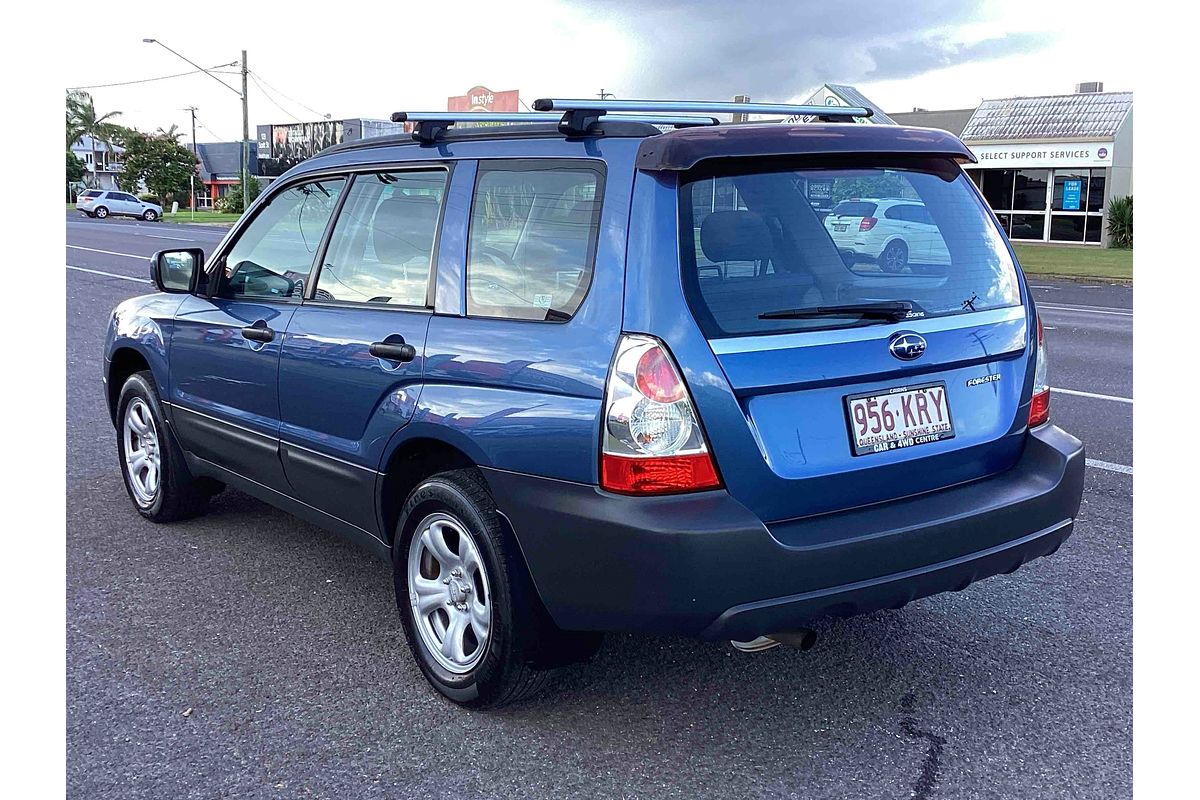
1028, 226
1067, 228
1070, 191
998, 188
382, 246
1096, 192
1030, 194
533, 239
1095, 227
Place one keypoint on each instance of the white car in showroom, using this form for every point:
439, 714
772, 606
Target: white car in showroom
892, 232
101, 203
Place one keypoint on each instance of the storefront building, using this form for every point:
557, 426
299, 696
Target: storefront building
1049, 165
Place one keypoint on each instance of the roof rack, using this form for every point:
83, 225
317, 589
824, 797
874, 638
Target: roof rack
431, 124
579, 115
579, 111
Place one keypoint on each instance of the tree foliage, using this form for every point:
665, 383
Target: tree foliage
160, 162
75, 168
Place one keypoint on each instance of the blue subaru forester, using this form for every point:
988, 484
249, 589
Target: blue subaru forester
612, 373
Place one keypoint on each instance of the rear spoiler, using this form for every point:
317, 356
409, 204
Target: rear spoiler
684, 149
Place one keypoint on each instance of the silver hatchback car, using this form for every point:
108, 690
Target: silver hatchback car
102, 203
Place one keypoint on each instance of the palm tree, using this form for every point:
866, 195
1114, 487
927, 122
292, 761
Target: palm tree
82, 120
172, 132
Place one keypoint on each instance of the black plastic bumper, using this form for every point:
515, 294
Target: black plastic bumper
704, 565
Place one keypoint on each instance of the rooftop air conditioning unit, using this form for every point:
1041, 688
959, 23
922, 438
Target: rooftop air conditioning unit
1091, 87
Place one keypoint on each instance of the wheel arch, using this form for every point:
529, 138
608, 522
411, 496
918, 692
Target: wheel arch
125, 361
412, 461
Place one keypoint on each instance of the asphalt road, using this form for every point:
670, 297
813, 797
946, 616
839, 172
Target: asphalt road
247, 654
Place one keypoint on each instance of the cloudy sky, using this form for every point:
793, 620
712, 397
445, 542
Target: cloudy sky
376, 59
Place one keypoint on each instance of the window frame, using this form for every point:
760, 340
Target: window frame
310, 289
215, 267
534, 164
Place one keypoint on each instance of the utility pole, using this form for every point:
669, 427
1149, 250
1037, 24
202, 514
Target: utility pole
245, 138
603, 95
192, 179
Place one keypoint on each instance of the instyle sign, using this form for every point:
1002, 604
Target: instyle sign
481, 98
1058, 154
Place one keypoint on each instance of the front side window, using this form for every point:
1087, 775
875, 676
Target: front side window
900, 230
273, 255
382, 246
533, 239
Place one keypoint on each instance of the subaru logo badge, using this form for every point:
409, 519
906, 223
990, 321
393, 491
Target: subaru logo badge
907, 346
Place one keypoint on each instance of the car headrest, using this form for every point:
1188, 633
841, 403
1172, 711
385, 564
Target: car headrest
735, 236
403, 228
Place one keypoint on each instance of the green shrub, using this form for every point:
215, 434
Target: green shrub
1120, 222
232, 203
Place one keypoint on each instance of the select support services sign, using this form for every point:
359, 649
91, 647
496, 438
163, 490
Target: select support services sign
1058, 154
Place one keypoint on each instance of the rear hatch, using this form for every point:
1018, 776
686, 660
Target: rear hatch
856, 385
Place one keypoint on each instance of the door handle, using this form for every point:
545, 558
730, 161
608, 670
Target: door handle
395, 350
258, 332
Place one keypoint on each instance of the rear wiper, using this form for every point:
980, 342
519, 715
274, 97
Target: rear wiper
891, 310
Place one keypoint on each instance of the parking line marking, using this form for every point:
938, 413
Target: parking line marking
1108, 465
107, 252
107, 274
157, 236
1106, 310
1093, 395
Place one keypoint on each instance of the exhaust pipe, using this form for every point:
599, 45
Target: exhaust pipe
803, 639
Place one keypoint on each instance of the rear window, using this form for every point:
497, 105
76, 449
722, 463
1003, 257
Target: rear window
760, 242
91, 193
854, 208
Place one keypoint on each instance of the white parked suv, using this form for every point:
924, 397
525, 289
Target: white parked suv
101, 203
892, 232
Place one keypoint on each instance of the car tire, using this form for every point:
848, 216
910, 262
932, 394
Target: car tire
100, 212
90, 214
894, 257
479, 577
161, 488
150, 216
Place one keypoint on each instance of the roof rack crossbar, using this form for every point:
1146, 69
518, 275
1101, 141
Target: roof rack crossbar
431, 124
696, 107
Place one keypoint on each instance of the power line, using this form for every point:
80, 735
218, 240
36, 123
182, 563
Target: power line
290, 99
274, 102
151, 80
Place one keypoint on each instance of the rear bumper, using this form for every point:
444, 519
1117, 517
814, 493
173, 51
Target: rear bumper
704, 565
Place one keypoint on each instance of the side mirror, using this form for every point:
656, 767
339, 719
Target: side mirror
177, 271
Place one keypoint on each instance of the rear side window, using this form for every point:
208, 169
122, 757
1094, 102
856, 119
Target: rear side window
533, 238
770, 248
382, 246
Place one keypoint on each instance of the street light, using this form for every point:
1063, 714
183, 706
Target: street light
245, 115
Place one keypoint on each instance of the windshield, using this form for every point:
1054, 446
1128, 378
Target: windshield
770, 250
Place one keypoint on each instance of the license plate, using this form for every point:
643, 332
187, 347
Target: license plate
900, 417
839, 228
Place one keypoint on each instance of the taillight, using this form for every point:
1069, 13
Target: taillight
652, 442
1039, 406
867, 223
